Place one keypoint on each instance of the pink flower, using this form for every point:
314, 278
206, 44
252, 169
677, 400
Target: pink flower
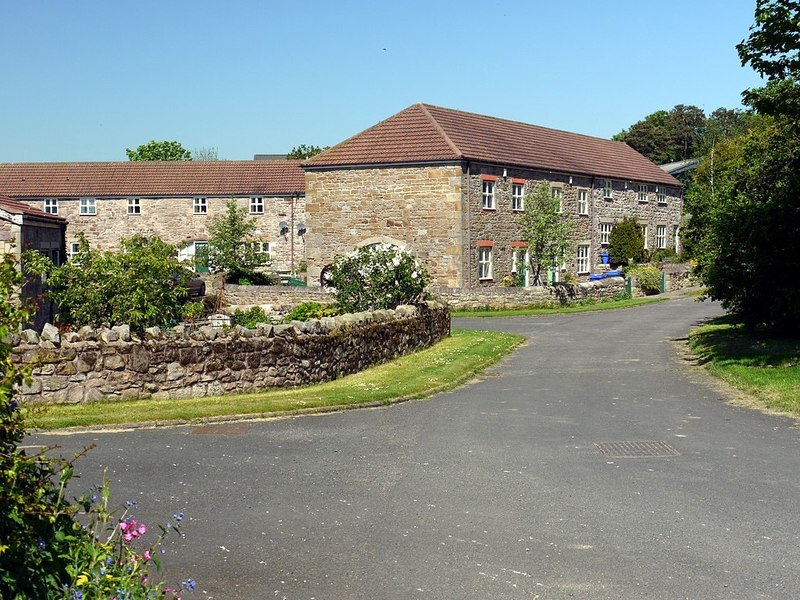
127, 537
142, 529
147, 555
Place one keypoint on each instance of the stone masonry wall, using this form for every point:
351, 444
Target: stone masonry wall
418, 208
173, 220
518, 297
113, 365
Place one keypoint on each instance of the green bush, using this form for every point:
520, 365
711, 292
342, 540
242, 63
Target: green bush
665, 255
626, 242
311, 310
377, 277
250, 318
648, 278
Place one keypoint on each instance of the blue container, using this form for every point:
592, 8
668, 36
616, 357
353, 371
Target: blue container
604, 257
596, 276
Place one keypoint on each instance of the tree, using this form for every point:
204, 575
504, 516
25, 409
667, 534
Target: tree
546, 230
667, 136
154, 150
626, 242
205, 154
232, 248
142, 285
303, 152
773, 50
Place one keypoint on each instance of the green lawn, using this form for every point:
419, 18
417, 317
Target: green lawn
575, 308
444, 366
765, 368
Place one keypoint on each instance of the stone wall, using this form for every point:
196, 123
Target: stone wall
518, 297
112, 364
279, 298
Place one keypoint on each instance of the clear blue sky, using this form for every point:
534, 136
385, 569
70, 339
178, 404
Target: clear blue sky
84, 80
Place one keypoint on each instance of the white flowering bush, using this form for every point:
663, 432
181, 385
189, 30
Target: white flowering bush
376, 277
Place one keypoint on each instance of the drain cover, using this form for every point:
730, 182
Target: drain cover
221, 429
635, 449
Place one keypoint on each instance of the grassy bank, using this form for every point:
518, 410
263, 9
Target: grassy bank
589, 306
444, 366
766, 368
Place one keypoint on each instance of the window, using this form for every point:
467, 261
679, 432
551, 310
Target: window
517, 198
605, 232
194, 252
662, 195
514, 259
74, 249
134, 206
642, 192
487, 195
644, 237
558, 194
676, 239
257, 205
582, 262
88, 206
263, 248
200, 206
583, 202
55, 256
51, 206
485, 262
661, 236
607, 189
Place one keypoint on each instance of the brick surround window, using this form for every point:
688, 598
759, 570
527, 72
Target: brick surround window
200, 206
88, 206
134, 206
256, 205
583, 202
605, 232
517, 196
51, 206
487, 194
582, 260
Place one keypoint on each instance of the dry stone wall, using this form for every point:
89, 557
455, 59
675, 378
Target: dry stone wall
112, 364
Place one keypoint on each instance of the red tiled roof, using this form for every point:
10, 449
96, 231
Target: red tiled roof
424, 133
167, 178
20, 208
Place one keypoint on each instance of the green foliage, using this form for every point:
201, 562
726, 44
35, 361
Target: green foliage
46, 550
142, 285
665, 255
304, 151
250, 318
666, 136
377, 277
648, 278
311, 310
192, 311
745, 225
626, 242
547, 231
232, 248
154, 150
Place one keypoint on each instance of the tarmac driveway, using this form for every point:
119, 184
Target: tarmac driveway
496, 490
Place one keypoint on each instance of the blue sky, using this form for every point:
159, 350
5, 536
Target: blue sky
84, 80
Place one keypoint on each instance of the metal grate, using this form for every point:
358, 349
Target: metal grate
636, 449
221, 429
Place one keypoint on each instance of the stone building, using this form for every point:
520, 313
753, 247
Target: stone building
450, 186
109, 201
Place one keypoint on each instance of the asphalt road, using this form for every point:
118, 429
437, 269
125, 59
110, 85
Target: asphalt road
495, 490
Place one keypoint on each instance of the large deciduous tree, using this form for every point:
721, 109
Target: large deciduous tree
667, 136
232, 247
546, 230
304, 151
164, 150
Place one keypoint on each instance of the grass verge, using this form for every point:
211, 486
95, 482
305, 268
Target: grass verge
558, 310
444, 366
766, 368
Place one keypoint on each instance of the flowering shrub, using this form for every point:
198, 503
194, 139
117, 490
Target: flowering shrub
51, 547
376, 277
310, 310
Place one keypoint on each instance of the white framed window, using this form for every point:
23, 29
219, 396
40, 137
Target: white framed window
605, 232
134, 206
200, 206
558, 194
583, 202
256, 205
487, 195
517, 197
644, 237
74, 249
642, 192
485, 262
514, 259
88, 206
608, 189
661, 194
51, 206
582, 260
265, 250
661, 236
